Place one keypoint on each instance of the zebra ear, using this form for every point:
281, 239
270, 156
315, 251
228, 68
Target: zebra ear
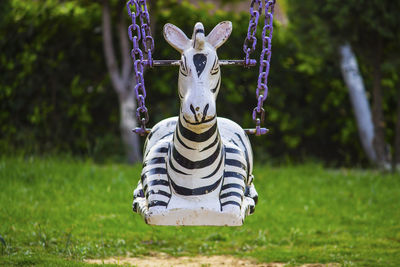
176, 37
220, 34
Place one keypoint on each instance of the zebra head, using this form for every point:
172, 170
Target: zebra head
199, 73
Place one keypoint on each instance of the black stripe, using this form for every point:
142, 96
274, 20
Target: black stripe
205, 112
175, 169
152, 132
153, 171
199, 30
212, 144
232, 150
194, 137
233, 141
213, 71
159, 192
246, 153
184, 191
185, 63
166, 135
181, 142
215, 60
183, 73
154, 161
155, 182
216, 87
194, 112
231, 203
162, 150
157, 203
215, 171
188, 164
231, 194
236, 163
226, 186
233, 175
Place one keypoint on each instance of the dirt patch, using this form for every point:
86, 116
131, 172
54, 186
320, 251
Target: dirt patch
164, 260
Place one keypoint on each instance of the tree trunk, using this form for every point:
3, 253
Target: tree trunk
359, 101
377, 110
396, 157
122, 81
127, 123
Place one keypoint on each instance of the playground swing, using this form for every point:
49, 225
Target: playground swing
197, 168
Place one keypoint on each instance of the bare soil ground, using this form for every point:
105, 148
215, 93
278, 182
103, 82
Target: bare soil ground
164, 260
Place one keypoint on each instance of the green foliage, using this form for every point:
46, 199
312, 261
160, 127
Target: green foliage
372, 28
57, 211
53, 84
55, 95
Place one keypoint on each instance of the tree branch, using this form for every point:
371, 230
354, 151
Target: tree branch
108, 48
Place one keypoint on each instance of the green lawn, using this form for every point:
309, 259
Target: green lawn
57, 211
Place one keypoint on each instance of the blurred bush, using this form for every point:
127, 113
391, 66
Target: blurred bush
55, 94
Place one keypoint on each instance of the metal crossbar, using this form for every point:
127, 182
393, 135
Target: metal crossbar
223, 62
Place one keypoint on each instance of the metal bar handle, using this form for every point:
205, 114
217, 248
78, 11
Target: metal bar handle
223, 62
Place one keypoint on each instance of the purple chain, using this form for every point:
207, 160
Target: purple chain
251, 40
137, 33
249, 47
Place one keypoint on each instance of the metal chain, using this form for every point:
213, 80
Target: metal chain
138, 8
262, 87
251, 40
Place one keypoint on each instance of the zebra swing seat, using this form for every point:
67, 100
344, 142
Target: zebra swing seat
197, 168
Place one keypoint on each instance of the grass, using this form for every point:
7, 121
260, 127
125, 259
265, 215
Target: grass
59, 211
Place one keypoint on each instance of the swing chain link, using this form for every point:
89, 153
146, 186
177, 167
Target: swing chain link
250, 42
262, 87
136, 34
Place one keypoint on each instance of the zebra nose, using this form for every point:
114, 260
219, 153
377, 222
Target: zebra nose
205, 112
198, 115
194, 111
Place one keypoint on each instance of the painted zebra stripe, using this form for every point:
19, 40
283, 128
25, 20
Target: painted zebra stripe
236, 163
159, 192
194, 137
168, 134
155, 182
246, 153
231, 180
157, 160
234, 175
226, 186
232, 150
216, 87
216, 169
152, 132
153, 171
188, 164
161, 150
196, 191
212, 144
181, 142
231, 203
175, 169
231, 194
155, 203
